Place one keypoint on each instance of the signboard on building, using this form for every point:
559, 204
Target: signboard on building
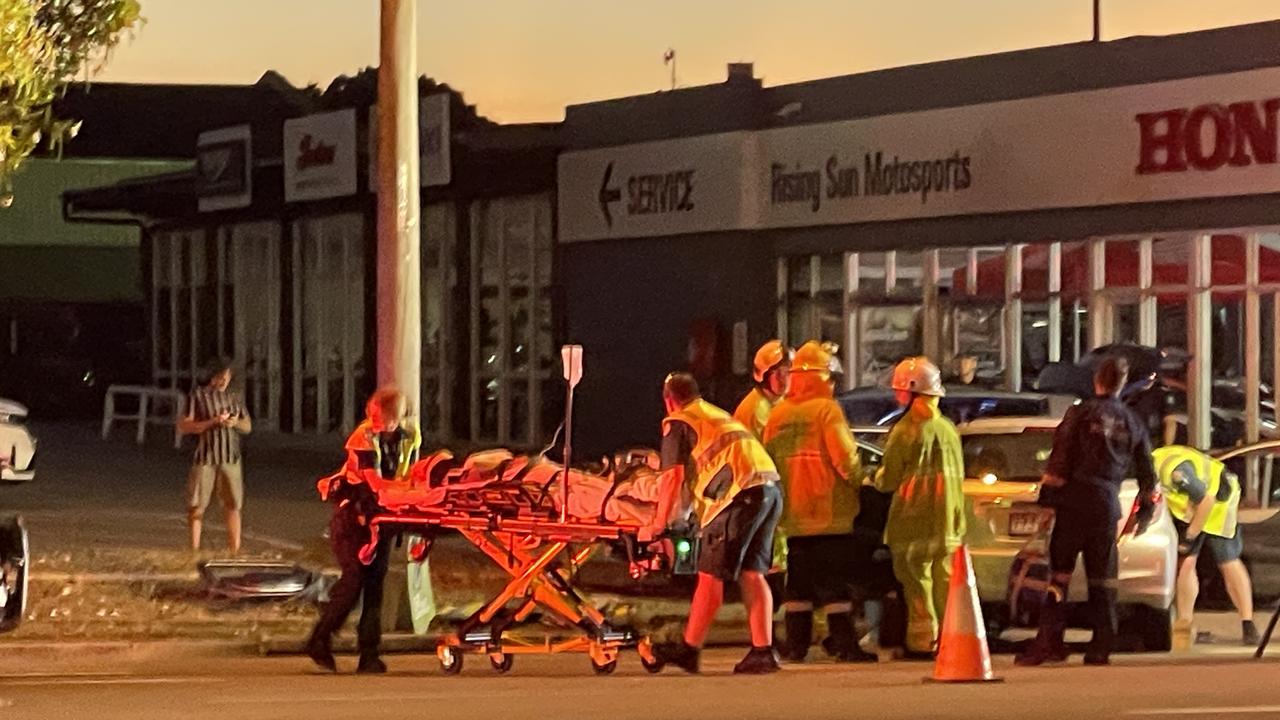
661, 188
320, 156
435, 165
224, 169
434, 141
1204, 137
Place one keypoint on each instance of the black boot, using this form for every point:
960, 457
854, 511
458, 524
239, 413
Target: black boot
680, 654
371, 665
759, 661
799, 636
319, 651
841, 643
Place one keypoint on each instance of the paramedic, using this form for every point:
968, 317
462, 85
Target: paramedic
734, 488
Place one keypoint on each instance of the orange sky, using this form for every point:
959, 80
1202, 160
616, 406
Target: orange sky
524, 60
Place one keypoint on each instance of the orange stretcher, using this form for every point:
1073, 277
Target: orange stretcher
541, 556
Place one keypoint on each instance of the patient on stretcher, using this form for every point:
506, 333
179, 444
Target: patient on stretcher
496, 481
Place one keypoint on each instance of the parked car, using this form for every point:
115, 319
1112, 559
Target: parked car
1004, 459
15, 553
875, 406
17, 445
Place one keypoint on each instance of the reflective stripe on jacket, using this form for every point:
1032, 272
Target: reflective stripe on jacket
722, 442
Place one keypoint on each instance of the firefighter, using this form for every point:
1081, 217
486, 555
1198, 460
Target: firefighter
735, 494
380, 450
810, 440
1204, 499
771, 371
923, 466
1093, 449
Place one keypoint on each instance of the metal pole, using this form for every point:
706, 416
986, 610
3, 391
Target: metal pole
1252, 363
1097, 20
931, 343
1147, 317
1055, 302
1199, 343
568, 453
1013, 317
1099, 304
852, 349
399, 283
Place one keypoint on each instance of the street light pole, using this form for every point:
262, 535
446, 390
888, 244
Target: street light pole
399, 283
1097, 20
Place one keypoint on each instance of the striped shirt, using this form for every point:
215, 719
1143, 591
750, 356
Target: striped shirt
218, 445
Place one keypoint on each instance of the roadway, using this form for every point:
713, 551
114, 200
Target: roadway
564, 687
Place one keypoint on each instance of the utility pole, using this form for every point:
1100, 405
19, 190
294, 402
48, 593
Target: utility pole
1097, 20
399, 268
669, 58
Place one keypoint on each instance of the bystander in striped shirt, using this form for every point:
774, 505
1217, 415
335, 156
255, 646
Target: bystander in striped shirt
218, 445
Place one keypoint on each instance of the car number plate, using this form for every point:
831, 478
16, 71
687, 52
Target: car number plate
1024, 523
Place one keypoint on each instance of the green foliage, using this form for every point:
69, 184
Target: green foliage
44, 44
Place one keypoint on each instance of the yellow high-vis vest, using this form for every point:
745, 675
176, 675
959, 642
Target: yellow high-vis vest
1213, 473
721, 442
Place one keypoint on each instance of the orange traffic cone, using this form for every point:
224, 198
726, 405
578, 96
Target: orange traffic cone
963, 655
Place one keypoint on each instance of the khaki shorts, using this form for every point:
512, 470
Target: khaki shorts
229, 480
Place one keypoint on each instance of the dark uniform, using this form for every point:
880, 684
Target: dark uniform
1094, 449
354, 502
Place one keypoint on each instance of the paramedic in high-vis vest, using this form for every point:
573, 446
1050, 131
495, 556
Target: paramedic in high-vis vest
734, 488
923, 466
817, 458
380, 451
1204, 499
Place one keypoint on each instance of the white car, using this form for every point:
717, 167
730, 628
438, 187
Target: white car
17, 445
1004, 459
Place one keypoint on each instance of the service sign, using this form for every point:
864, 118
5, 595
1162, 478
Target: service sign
320, 156
662, 188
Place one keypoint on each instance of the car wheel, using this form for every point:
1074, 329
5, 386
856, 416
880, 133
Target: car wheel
1153, 627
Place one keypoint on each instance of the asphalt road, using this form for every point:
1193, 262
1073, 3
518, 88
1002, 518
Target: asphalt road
564, 687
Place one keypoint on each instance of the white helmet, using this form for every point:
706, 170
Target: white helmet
918, 375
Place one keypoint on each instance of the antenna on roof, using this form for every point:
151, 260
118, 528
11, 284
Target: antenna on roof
669, 58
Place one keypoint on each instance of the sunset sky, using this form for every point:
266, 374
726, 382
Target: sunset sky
524, 60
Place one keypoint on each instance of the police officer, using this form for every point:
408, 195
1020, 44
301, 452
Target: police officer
809, 438
380, 450
735, 493
1203, 497
923, 467
1094, 448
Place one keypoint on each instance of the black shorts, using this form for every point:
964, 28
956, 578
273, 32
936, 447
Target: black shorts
1194, 547
820, 568
1225, 550
741, 536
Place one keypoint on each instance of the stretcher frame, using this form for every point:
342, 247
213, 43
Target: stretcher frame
534, 553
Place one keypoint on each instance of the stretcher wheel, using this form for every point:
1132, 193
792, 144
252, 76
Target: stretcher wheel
501, 662
654, 666
604, 668
450, 660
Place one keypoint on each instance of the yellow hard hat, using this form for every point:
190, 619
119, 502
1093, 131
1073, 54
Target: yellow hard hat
814, 356
918, 375
769, 356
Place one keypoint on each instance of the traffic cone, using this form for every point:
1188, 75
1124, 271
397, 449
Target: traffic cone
963, 655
